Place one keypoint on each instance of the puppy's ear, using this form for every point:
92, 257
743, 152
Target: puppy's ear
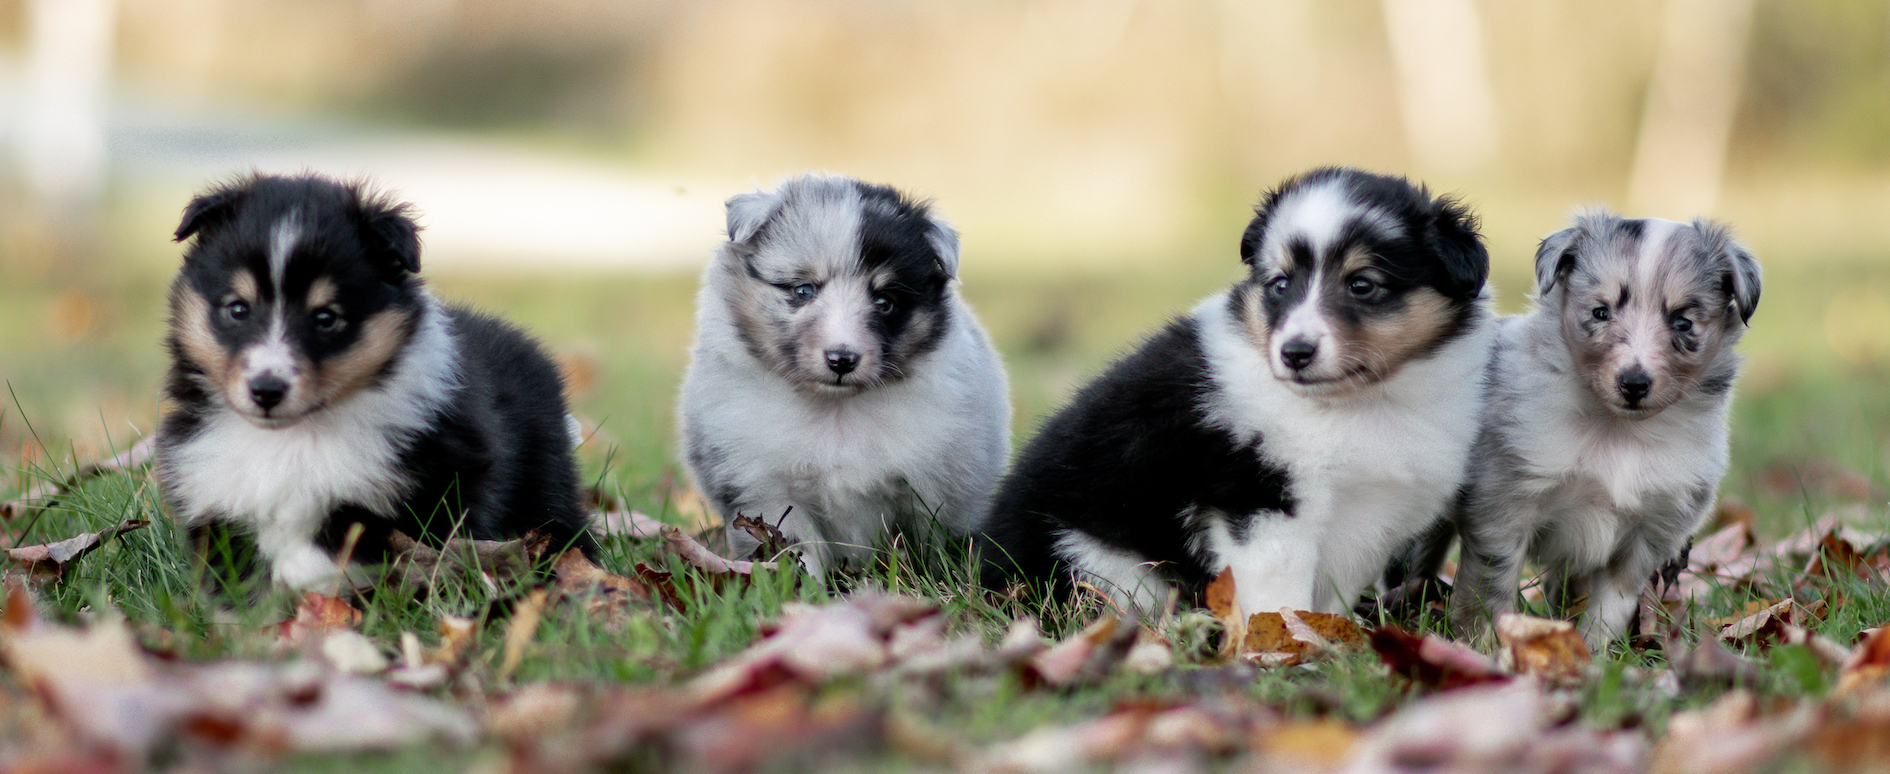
388, 227
1454, 235
1250, 239
944, 241
1740, 273
210, 209
1555, 258
747, 212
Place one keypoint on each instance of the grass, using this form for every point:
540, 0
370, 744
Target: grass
1809, 439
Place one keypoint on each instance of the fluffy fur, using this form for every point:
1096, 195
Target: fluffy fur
1295, 428
1605, 437
838, 385
316, 383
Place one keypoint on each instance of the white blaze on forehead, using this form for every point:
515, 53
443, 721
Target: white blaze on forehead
1317, 215
816, 234
282, 241
1652, 253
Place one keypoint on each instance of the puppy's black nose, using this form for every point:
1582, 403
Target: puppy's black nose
1634, 385
842, 361
267, 391
1298, 353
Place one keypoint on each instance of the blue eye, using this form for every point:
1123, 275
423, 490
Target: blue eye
1601, 313
804, 292
1681, 324
238, 311
1278, 285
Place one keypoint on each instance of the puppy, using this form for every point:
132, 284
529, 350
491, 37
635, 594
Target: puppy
1605, 437
838, 385
1296, 428
316, 383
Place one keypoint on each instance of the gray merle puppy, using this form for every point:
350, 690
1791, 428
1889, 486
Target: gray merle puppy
838, 384
1606, 434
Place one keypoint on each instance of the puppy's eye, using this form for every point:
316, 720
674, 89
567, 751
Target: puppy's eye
1362, 287
328, 319
1681, 324
1278, 285
1601, 313
883, 304
237, 311
804, 292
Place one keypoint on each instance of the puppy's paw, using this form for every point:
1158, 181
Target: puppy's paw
305, 568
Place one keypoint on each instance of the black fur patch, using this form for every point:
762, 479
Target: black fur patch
1124, 462
497, 453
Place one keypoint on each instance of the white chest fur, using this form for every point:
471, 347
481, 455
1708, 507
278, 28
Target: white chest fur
1366, 471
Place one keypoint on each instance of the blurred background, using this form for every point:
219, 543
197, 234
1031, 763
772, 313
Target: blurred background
569, 159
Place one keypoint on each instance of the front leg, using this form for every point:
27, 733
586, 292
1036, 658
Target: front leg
1275, 562
1489, 574
287, 540
1613, 598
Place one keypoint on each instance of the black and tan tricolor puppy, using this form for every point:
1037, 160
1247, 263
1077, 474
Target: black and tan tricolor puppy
838, 384
316, 382
1296, 428
1606, 434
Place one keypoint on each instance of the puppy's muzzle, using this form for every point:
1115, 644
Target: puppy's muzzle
267, 391
1297, 354
841, 361
1634, 384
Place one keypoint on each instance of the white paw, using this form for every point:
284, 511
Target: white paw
305, 568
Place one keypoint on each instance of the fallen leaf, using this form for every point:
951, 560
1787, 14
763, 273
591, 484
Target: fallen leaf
1087, 655
350, 652
456, 635
1321, 744
1224, 603
1512, 727
520, 630
415, 565
1709, 663
607, 597
1549, 649
51, 559
1729, 736
1299, 633
631, 524
1867, 665
1433, 661
700, 557
315, 613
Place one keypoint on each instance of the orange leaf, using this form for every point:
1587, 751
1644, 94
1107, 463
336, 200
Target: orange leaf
1546, 648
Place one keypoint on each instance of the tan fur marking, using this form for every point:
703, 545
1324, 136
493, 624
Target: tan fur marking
1385, 344
321, 294
381, 338
191, 322
1355, 259
1253, 320
243, 284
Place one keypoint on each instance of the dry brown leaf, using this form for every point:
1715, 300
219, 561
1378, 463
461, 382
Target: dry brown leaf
1299, 633
415, 565
456, 635
520, 630
315, 613
1867, 665
607, 597
1433, 661
51, 559
1095, 650
1224, 604
1728, 737
631, 524
1549, 649
700, 557
1321, 744
1512, 727
814, 644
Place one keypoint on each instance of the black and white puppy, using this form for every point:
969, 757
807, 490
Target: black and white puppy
1296, 428
837, 379
1605, 437
315, 382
